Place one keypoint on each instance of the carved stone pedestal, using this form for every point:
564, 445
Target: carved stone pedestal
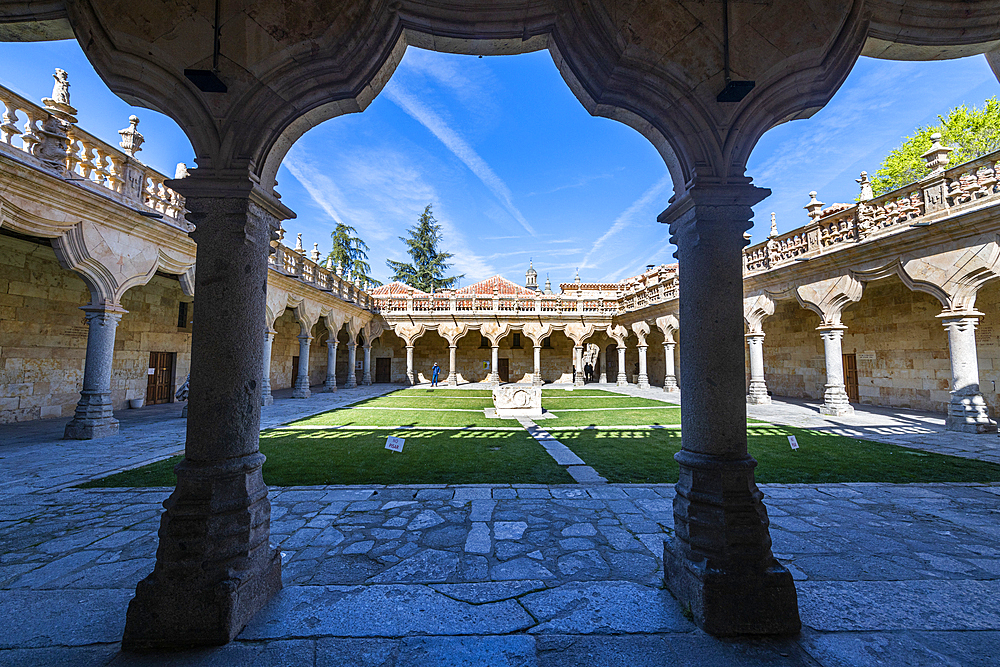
214, 566
719, 563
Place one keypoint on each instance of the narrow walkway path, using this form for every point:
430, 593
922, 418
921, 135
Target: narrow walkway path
563, 455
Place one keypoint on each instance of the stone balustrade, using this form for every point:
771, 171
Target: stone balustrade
49, 137
447, 301
294, 263
940, 194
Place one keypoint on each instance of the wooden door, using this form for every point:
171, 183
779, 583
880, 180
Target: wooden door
383, 370
851, 377
295, 370
611, 363
503, 369
160, 378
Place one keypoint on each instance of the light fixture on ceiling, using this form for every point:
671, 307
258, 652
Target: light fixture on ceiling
734, 90
207, 80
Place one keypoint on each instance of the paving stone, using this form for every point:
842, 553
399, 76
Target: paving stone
509, 530
425, 566
520, 568
482, 510
463, 494
356, 652
362, 547
426, 519
579, 530
488, 591
84, 656
478, 541
513, 651
588, 563
374, 611
605, 607
444, 537
235, 654
36, 619
584, 474
504, 494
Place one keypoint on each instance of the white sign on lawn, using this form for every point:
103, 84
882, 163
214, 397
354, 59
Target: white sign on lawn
395, 444
793, 442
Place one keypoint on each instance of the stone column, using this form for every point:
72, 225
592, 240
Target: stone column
301, 388
719, 563
410, 376
366, 378
494, 359
452, 370
967, 411
330, 384
622, 375
265, 382
643, 379
94, 416
758, 388
536, 377
214, 566
352, 376
669, 379
578, 379
835, 401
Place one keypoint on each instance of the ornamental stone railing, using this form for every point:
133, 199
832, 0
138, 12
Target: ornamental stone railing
48, 137
294, 263
448, 301
940, 194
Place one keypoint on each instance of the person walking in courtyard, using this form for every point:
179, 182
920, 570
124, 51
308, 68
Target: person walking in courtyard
435, 374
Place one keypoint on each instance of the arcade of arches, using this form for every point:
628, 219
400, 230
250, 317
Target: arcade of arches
279, 68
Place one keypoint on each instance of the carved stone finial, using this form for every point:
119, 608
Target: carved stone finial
181, 171
315, 253
937, 155
866, 186
548, 284
58, 105
774, 227
329, 262
132, 140
577, 279
298, 244
814, 206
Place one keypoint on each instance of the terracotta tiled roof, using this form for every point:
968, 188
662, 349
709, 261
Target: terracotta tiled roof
485, 288
394, 288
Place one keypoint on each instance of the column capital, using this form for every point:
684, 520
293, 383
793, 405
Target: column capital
949, 316
304, 337
332, 343
831, 329
103, 315
757, 335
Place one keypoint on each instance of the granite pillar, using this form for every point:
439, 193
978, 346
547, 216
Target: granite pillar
578, 379
536, 376
330, 384
411, 378
494, 358
352, 374
366, 377
758, 388
719, 563
214, 565
452, 370
94, 416
622, 380
967, 411
301, 388
265, 381
835, 401
643, 379
669, 377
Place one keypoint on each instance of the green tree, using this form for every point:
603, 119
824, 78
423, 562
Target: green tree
426, 272
350, 254
971, 132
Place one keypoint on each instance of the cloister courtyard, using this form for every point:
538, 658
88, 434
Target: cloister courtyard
492, 541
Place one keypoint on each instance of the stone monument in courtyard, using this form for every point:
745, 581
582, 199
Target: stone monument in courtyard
515, 401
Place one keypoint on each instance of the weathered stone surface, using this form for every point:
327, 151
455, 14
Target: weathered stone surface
489, 591
373, 611
605, 607
520, 568
513, 651
98, 617
429, 565
512, 402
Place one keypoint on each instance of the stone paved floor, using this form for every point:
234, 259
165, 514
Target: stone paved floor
497, 575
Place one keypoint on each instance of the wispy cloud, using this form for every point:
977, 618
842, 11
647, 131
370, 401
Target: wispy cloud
459, 147
626, 218
578, 183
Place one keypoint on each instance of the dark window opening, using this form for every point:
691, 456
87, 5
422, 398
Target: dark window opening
182, 315
516, 345
484, 342
547, 343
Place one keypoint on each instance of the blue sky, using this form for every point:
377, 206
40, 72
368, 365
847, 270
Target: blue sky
515, 167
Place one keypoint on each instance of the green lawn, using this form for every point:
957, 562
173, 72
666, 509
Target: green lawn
559, 393
425, 418
646, 456
443, 391
438, 402
656, 417
595, 402
360, 457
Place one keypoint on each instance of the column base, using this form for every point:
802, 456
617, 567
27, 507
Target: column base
670, 384
184, 411
719, 563
267, 399
367, 380
214, 567
836, 410
329, 387
88, 429
603, 379
411, 379
968, 413
351, 383
835, 402
301, 392
452, 381
758, 394
622, 380
536, 380
643, 381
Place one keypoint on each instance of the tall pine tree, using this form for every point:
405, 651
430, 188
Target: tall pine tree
426, 272
350, 254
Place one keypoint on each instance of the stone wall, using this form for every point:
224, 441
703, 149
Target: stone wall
900, 346
43, 334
